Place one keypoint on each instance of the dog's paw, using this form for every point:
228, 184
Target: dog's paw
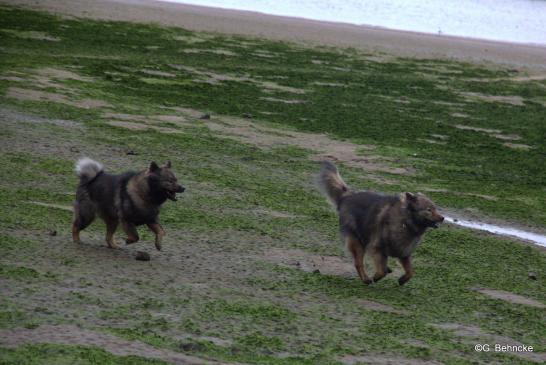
112, 243
403, 279
158, 246
367, 281
377, 277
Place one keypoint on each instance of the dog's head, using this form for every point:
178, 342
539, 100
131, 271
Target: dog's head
164, 180
422, 210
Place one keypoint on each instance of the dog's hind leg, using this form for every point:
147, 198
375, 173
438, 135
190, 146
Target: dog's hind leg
75, 233
111, 226
131, 231
380, 263
408, 269
159, 233
84, 214
355, 247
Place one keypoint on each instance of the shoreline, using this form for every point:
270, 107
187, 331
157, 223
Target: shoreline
361, 25
398, 43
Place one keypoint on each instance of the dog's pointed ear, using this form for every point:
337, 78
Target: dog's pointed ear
168, 164
153, 167
410, 197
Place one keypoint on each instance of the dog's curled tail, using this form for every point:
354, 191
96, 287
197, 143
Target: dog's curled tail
87, 169
331, 184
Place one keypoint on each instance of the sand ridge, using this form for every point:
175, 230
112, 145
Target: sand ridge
73, 335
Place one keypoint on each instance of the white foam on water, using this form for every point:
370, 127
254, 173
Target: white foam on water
505, 231
520, 21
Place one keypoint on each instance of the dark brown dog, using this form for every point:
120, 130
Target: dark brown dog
132, 199
380, 225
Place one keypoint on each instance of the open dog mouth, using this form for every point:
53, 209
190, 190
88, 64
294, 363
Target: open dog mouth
433, 224
171, 195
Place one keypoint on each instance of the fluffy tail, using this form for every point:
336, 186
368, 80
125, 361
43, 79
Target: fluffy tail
331, 184
87, 169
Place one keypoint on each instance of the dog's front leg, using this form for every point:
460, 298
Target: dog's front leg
380, 263
131, 231
111, 226
408, 269
159, 233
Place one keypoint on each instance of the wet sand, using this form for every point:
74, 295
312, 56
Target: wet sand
310, 32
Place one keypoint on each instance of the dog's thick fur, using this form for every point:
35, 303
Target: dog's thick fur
132, 199
379, 225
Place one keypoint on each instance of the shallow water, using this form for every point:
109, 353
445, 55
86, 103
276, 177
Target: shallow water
537, 239
521, 21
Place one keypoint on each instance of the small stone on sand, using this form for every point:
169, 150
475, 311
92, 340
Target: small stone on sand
142, 256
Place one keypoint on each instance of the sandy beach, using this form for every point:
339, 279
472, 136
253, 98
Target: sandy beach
370, 39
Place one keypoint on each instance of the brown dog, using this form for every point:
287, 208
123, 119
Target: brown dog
132, 199
380, 225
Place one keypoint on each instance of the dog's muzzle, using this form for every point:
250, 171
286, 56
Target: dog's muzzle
171, 194
434, 223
